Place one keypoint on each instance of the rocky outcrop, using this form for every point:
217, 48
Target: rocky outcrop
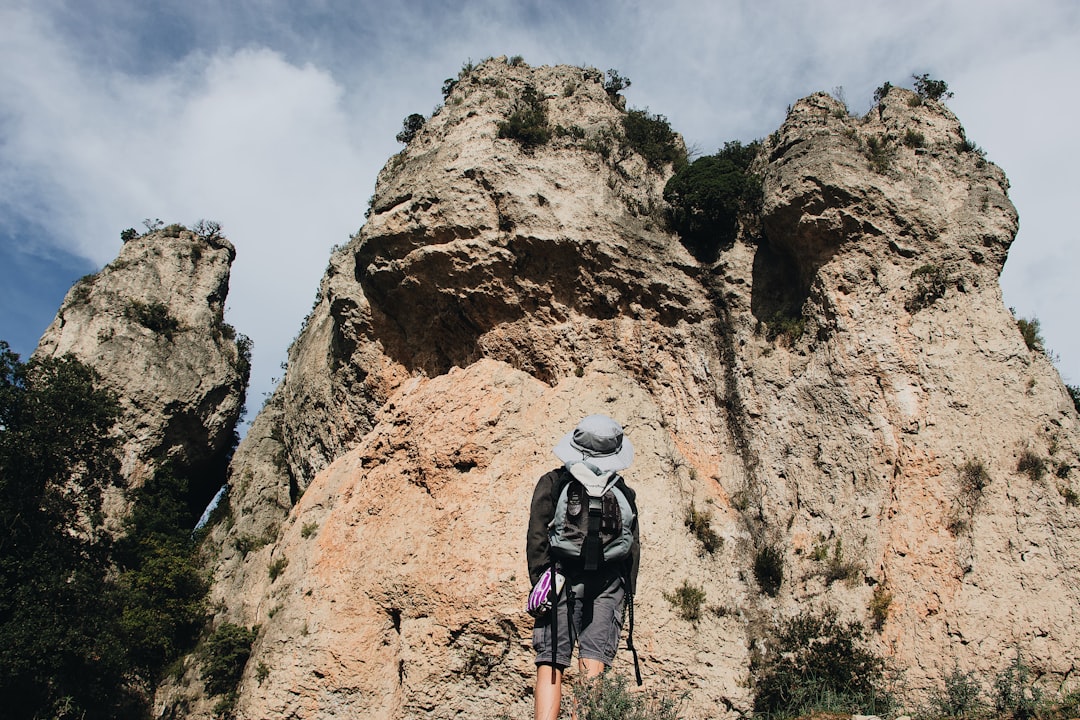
151, 324
825, 391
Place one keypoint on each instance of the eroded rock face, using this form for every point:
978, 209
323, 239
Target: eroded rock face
825, 384
151, 324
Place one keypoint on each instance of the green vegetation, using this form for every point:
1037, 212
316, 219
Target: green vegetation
881, 91
61, 644
527, 123
931, 282
914, 138
974, 477
614, 83
707, 196
277, 567
1074, 393
652, 137
786, 323
222, 661
881, 153
816, 662
309, 529
162, 588
1031, 330
608, 697
1031, 464
208, 230
688, 600
769, 569
880, 602
930, 89
698, 523
961, 697
835, 566
410, 126
154, 316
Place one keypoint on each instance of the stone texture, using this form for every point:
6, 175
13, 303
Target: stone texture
178, 373
495, 296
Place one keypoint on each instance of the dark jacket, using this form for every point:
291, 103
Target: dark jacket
543, 511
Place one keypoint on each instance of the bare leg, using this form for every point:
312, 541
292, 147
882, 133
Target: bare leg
547, 696
590, 668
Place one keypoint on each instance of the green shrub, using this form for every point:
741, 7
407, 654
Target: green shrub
1031, 330
961, 698
931, 282
707, 196
914, 138
516, 61
608, 697
614, 83
410, 126
769, 569
128, 235
837, 568
651, 137
309, 529
224, 656
246, 543
154, 316
931, 89
1031, 464
207, 229
880, 602
787, 325
815, 662
277, 567
1015, 694
974, 477
1074, 393
881, 91
527, 123
698, 523
1070, 496
687, 599
880, 152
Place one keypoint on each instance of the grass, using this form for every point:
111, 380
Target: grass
608, 697
1031, 464
698, 523
688, 600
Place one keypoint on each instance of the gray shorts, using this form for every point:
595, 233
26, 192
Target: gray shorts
597, 611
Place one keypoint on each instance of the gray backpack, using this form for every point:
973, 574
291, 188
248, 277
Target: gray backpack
593, 520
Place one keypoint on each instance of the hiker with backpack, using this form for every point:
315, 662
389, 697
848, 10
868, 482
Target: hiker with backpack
582, 551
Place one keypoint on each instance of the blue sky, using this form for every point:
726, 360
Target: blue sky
274, 117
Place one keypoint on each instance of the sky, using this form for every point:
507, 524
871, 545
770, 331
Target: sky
273, 118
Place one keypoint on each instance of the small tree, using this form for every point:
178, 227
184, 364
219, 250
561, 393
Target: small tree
707, 195
615, 83
931, 89
410, 126
882, 91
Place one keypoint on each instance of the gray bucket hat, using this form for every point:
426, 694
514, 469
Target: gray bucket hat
599, 441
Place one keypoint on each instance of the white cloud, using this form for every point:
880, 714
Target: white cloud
275, 121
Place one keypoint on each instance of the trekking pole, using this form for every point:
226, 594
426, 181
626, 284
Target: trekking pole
630, 639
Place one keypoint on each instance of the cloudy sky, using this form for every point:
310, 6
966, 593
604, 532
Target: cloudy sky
273, 118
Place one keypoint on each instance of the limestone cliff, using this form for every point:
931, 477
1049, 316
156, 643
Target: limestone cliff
151, 324
825, 388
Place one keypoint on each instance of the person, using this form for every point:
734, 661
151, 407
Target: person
598, 580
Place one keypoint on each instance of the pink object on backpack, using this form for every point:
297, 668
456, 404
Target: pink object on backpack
540, 597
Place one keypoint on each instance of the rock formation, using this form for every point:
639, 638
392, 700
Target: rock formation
841, 389
151, 324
